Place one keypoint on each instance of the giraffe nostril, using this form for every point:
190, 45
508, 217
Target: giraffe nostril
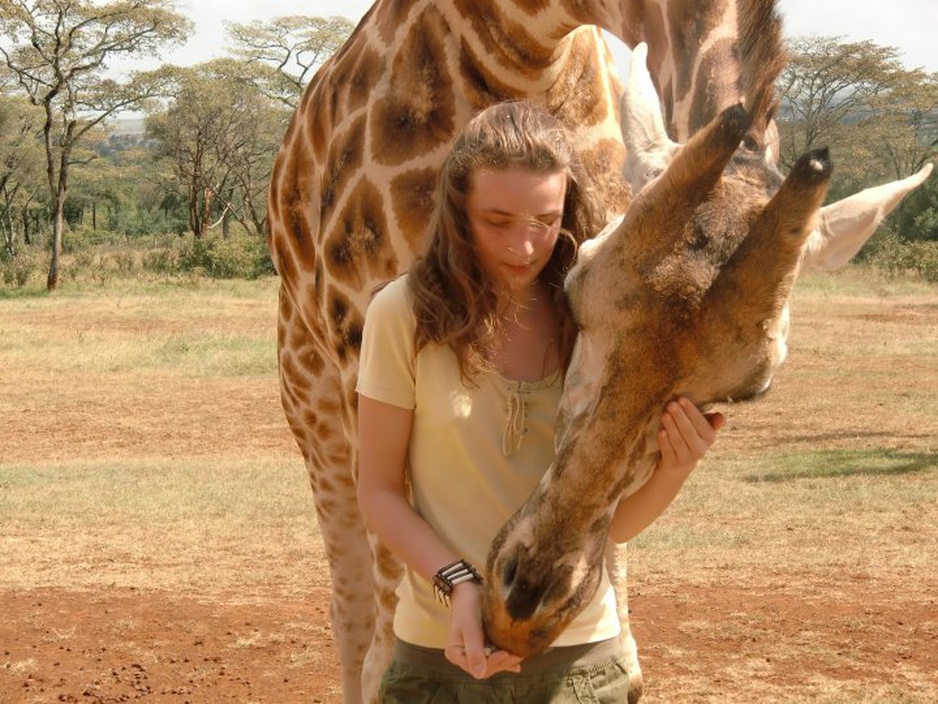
509, 572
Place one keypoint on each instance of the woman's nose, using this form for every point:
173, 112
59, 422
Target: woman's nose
526, 233
522, 243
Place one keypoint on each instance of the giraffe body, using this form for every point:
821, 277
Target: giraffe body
351, 192
686, 295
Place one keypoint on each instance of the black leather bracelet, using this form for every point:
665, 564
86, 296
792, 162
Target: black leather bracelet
448, 577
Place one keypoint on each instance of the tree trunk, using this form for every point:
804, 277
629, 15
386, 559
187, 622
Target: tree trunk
27, 231
8, 234
58, 223
195, 220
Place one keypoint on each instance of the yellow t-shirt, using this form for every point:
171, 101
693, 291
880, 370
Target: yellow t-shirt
476, 453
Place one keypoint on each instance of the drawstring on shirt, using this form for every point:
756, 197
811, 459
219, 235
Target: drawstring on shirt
514, 423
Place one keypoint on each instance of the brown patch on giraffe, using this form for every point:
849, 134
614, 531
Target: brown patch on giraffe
532, 7
346, 155
478, 85
412, 197
684, 22
354, 80
506, 42
295, 240
319, 126
418, 112
392, 15
358, 248
580, 97
345, 323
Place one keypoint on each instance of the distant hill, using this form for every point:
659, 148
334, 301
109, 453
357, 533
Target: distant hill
127, 126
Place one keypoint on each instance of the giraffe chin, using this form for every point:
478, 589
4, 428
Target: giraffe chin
522, 637
526, 605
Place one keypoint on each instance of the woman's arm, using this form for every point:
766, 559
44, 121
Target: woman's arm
684, 438
383, 439
384, 436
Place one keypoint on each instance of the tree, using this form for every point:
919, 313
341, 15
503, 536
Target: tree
20, 167
903, 137
879, 119
825, 84
218, 134
58, 51
906, 118
284, 53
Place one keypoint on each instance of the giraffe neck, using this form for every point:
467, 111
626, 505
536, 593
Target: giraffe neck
692, 45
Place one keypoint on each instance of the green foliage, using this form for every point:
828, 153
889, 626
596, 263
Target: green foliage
877, 118
901, 259
235, 257
22, 272
99, 257
279, 56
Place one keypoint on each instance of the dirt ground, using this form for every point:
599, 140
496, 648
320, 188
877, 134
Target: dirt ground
126, 645
849, 638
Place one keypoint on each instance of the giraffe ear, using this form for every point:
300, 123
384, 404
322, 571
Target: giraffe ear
845, 226
648, 149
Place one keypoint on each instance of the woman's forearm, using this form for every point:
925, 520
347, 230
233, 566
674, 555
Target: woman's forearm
637, 511
393, 520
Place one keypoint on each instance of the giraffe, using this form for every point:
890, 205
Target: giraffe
685, 295
351, 191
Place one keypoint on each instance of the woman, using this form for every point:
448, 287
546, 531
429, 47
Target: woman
461, 372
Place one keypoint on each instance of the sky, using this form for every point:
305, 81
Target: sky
909, 25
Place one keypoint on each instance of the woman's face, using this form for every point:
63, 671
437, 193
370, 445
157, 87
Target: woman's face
515, 218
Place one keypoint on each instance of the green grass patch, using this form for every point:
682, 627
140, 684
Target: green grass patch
846, 463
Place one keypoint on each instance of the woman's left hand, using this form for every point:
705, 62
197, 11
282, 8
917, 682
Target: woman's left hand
466, 647
686, 435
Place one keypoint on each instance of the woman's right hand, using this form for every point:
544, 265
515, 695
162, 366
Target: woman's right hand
466, 644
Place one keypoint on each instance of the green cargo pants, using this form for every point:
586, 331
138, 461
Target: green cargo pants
589, 674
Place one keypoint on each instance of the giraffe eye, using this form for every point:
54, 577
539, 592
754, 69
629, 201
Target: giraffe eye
750, 144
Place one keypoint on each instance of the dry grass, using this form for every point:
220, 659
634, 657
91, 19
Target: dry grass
143, 448
144, 444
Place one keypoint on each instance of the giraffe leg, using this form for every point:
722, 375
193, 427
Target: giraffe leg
312, 398
387, 574
616, 566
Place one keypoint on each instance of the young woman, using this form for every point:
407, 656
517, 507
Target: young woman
461, 372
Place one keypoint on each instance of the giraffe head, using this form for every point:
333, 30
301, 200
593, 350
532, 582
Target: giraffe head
685, 295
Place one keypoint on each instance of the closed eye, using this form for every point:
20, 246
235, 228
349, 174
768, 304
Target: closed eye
541, 222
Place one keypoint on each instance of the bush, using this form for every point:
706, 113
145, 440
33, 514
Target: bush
30, 265
239, 256
899, 258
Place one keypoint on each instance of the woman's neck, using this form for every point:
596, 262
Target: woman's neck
526, 347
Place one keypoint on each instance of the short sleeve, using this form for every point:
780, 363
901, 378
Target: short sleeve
386, 370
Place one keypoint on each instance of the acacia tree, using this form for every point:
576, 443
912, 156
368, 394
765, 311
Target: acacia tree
827, 83
901, 137
283, 54
20, 168
209, 128
877, 117
58, 52
906, 120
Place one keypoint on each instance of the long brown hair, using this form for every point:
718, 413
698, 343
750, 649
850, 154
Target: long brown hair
455, 302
